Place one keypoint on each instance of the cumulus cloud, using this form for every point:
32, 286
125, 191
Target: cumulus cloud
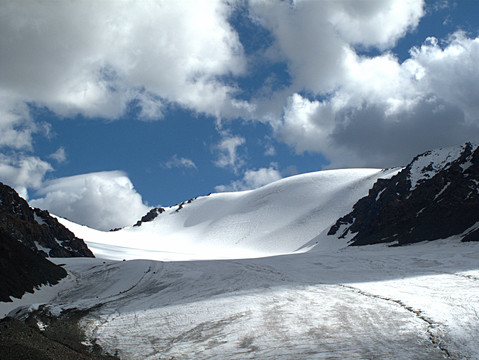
102, 200
227, 152
252, 179
94, 57
357, 22
451, 72
389, 111
315, 36
365, 110
180, 162
23, 172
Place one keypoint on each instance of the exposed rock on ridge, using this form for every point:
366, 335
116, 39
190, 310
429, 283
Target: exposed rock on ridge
36, 229
27, 236
22, 269
150, 216
436, 196
153, 213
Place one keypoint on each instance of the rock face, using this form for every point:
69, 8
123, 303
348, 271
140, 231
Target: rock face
436, 196
23, 269
36, 229
27, 237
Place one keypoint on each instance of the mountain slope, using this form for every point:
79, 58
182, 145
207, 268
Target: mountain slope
278, 218
436, 196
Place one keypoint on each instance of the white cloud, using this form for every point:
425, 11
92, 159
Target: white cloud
386, 112
59, 156
377, 23
252, 179
23, 172
102, 200
94, 57
367, 110
299, 127
451, 72
315, 36
180, 162
16, 125
227, 150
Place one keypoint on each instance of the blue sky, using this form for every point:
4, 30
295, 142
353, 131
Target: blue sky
107, 108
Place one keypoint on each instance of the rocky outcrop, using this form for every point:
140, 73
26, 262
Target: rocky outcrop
150, 216
27, 237
153, 213
181, 205
62, 339
37, 229
22, 269
436, 196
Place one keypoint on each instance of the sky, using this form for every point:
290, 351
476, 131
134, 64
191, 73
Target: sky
108, 108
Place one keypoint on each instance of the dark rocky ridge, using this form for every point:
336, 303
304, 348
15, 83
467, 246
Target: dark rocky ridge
36, 229
27, 237
442, 201
150, 216
22, 269
153, 213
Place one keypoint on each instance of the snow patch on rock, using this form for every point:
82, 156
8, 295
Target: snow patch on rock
427, 165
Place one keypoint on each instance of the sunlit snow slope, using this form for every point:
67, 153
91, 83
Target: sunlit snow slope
278, 218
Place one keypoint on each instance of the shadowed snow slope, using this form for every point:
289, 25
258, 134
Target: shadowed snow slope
278, 218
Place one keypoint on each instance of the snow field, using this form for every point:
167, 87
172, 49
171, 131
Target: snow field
414, 302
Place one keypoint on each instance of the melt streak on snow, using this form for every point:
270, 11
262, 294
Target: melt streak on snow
275, 219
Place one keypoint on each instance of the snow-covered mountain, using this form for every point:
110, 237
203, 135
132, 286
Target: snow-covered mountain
278, 218
434, 197
282, 280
